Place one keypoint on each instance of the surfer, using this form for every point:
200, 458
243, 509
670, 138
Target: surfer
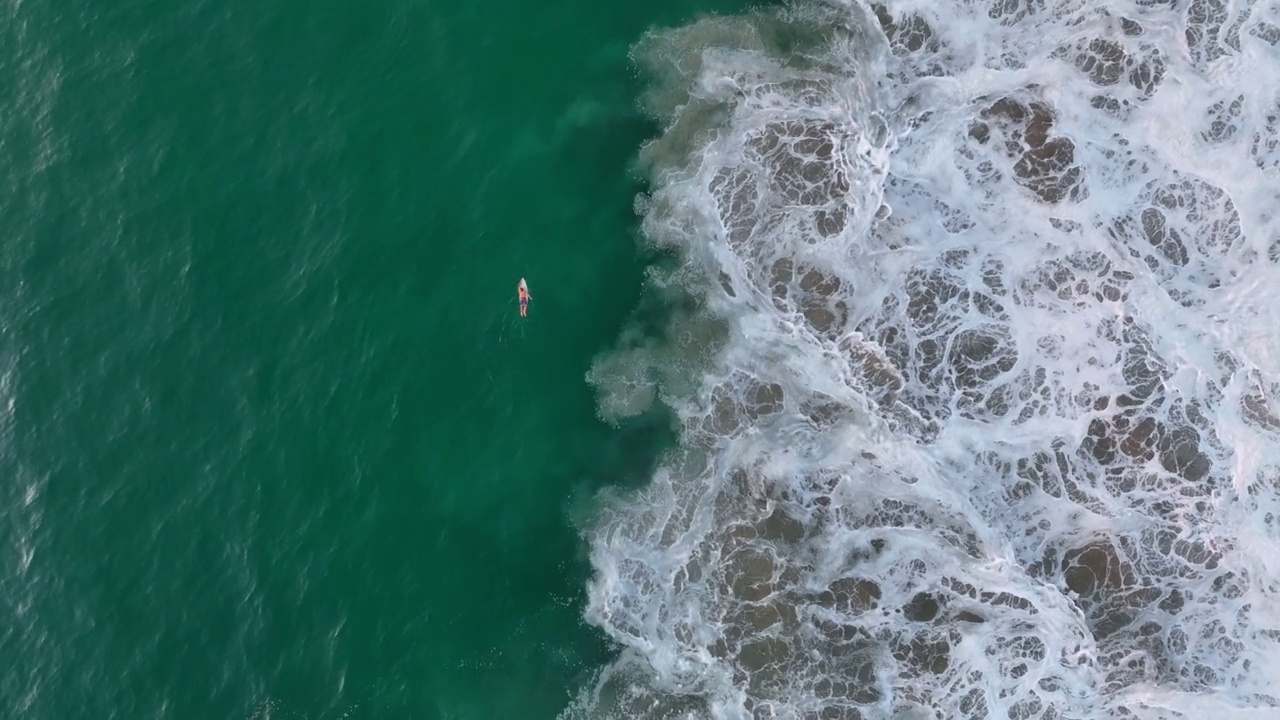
522, 292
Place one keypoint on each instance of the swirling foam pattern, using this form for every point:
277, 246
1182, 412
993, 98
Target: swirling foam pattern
973, 346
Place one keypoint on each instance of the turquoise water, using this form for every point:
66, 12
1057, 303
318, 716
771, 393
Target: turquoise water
276, 442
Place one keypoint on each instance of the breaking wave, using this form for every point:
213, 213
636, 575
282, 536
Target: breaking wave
973, 340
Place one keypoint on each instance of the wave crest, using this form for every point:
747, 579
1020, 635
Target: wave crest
970, 358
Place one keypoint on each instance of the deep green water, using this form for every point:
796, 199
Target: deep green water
275, 442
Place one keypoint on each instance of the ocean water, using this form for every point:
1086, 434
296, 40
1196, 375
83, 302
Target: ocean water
972, 330
274, 442
943, 382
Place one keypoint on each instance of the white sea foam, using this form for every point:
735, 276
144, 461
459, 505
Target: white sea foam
975, 346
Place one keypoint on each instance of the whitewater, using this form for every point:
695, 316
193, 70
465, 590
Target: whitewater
971, 329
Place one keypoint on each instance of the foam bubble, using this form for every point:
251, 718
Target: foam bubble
974, 360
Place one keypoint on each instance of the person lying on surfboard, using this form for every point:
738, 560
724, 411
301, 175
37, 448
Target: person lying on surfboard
522, 292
